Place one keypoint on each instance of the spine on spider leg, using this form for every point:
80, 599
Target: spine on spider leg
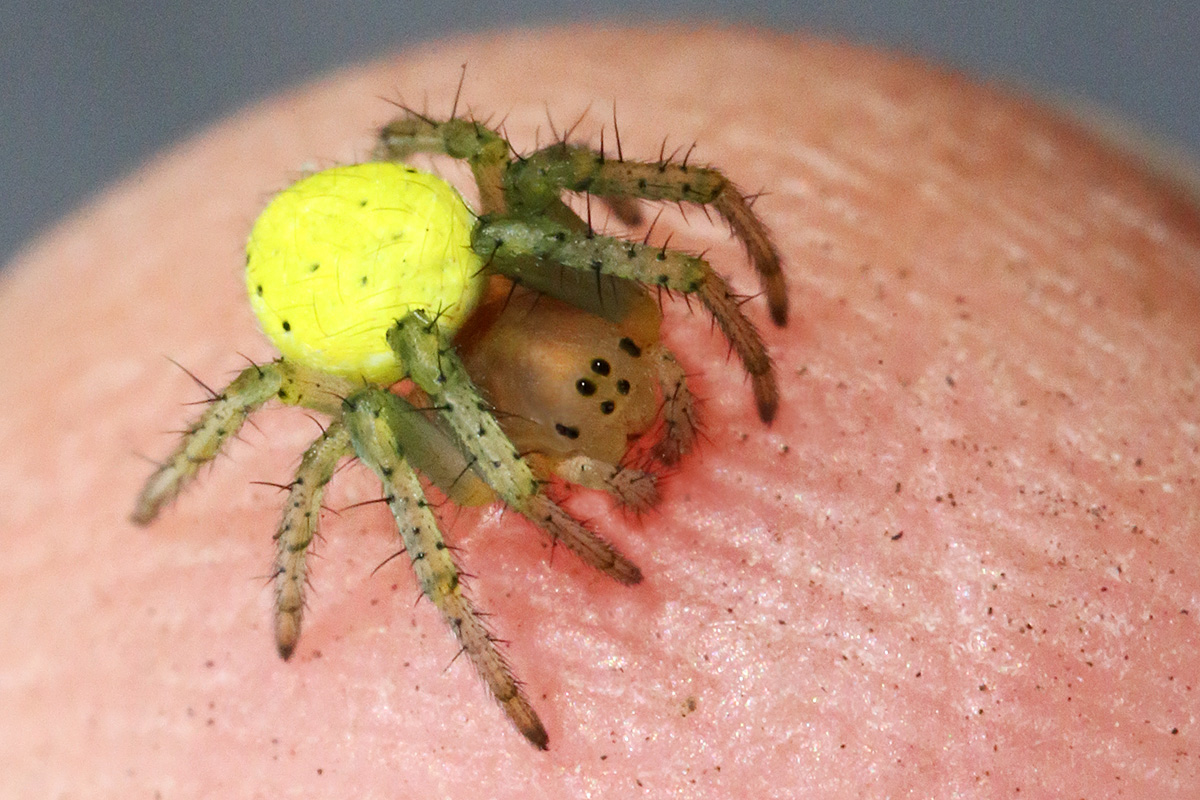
373, 433
436, 368
224, 417
300, 523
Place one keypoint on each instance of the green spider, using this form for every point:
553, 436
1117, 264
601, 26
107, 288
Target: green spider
531, 345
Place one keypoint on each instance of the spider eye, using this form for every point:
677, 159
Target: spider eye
600, 366
566, 430
585, 387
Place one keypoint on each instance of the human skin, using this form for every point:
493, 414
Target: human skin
960, 562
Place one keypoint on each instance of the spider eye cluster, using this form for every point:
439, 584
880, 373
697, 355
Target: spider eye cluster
600, 389
336, 258
567, 381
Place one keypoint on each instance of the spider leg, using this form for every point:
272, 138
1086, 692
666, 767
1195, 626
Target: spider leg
297, 529
374, 420
609, 297
436, 368
486, 151
679, 408
224, 417
633, 488
423, 444
564, 167
522, 248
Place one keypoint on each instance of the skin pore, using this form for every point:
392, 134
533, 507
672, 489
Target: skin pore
960, 562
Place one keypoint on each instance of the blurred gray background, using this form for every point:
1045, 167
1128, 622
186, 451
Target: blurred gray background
90, 89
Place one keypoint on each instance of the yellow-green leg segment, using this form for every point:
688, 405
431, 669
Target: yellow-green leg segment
373, 417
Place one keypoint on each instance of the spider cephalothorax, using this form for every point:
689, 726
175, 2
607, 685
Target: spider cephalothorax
367, 274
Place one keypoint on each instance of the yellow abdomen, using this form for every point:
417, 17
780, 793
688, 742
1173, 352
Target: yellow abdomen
335, 259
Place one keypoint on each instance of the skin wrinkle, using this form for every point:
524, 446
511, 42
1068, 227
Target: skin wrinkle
1033, 629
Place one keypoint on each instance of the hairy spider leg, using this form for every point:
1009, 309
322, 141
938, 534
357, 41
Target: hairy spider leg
516, 246
377, 426
533, 181
425, 446
436, 368
679, 409
298, 527
484, 150
227, 411
530, 187
487, 153
374, 419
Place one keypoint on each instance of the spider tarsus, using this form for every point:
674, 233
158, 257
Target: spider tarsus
287, 634
535, 732
161, 488
766, 397
143, 516
777, 303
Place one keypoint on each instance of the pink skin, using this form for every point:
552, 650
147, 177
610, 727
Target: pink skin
960, 563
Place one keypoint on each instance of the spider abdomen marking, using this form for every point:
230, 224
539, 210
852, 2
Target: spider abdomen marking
335, 259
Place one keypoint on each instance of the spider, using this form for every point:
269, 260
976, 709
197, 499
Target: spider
525, 346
